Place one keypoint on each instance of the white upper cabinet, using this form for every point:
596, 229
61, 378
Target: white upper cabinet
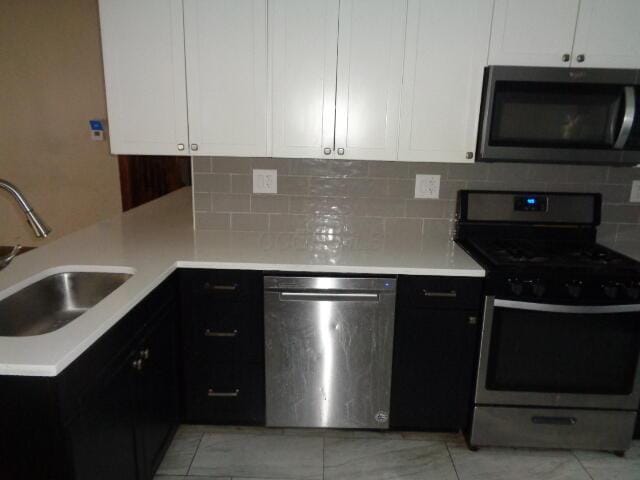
304, 42
143, 54
533, 32
608, 34
226, 50
369, 79
446, 52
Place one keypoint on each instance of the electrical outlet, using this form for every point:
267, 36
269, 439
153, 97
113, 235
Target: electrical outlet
635, 192
265, 181
427, 186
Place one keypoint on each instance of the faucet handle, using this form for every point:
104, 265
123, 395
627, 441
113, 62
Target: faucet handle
6, 260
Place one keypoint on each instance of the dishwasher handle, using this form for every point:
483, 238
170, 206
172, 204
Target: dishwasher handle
331, 296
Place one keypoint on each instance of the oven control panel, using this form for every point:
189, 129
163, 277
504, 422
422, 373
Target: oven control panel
531, 203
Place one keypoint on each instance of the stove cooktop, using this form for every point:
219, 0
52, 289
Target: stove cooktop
523, 253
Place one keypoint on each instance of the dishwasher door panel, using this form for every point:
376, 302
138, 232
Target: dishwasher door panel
328, 358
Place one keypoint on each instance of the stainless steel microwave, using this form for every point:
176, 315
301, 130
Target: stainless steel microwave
560, 115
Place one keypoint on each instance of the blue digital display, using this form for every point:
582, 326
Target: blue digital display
531, 201
534, 203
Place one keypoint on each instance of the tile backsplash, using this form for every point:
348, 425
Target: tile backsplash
360, 200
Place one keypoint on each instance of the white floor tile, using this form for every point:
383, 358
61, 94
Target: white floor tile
270, 456
181, 452
607, 466
373, 459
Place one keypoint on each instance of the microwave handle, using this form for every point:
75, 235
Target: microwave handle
628, 119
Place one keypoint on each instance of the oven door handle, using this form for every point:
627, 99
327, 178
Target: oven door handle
553, 308
629, 117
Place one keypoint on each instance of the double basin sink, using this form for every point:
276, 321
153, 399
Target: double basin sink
54, 301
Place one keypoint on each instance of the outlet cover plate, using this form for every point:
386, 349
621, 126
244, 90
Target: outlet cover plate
265, 181
635, 192
427, 186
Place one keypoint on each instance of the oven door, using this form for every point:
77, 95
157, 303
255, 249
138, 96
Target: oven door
548, 355
560, 115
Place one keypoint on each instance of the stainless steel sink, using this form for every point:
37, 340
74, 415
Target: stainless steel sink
54, 301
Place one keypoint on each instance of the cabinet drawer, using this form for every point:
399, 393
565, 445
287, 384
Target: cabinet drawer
226, 393
221, 285
439, 292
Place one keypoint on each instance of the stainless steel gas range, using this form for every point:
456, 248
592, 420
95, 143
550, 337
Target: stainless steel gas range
560, 346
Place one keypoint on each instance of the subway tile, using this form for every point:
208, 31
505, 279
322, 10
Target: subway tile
401, 188
509, 172
436, 229
329, 168
379, 207
388, 169
289, 223
626, 233
587, 174
612, 193
231, 164
403, 233
213, 221
269, 203
249, 222
347, 187
201, 164
241, 183
623, 174
449, 189
322, 205
288, 185
621, 213
426, 208
428, 168
282, 165
607, 232
548, 173
215, 183
473, 171
202, 202
224, 202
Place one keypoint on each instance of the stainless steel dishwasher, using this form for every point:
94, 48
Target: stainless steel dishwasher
328, 347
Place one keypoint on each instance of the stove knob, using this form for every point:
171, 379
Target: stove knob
516, 286
574, 288
633, 290
538, 288
611, 289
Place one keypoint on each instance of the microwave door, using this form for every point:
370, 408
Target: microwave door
628, 118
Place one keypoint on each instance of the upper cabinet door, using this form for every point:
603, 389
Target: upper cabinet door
369, 80
445, 56
226, 50
608, 34
143, 54
304, 39
533, 32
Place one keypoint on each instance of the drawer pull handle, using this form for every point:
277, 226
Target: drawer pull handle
451, 294
209, 333
569, 421
212, 393
221, 288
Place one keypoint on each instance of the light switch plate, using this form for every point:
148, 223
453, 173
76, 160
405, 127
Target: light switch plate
265, 181
427, 186
635, 192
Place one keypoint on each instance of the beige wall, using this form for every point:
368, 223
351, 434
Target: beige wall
51, 84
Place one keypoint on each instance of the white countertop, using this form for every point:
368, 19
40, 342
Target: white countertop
155, 239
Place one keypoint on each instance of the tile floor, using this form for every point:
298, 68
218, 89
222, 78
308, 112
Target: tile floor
243, 453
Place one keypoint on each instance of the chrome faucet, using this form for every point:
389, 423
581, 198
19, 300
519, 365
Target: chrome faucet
40, 228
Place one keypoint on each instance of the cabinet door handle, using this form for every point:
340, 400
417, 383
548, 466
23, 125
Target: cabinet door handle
566, 57
194, 147
181, 147
137, 364
580, 58
144, 354
341, 151
327, 151
221, 288
451, 294
209, 333
212, 393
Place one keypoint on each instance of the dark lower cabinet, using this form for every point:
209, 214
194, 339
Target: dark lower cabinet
435, 347
111, 414
101, 437
223, 351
